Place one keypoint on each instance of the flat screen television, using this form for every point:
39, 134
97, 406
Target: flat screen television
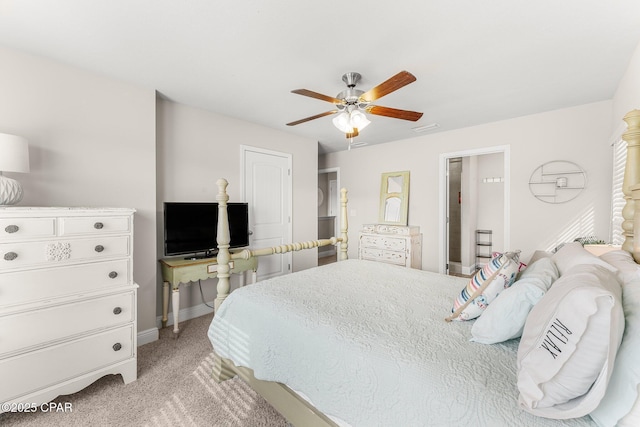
191, 227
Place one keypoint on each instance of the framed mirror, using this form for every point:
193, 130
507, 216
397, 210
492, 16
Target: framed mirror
394, 198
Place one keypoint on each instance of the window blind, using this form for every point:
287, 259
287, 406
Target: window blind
617, 198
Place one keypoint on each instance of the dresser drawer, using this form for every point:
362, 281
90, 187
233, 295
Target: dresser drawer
403, 230
75, 226
373, 254
26, 228
39, 369
27, 254
383, 242
31, 328
35, 285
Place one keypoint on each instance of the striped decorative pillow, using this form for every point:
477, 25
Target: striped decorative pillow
500, 271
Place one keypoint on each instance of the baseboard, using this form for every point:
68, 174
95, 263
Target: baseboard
458, 268
469, 270
187, 314
150, 335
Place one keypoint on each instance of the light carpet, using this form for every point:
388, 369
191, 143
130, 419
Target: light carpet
174, 388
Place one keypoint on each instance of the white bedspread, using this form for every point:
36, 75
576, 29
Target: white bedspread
367, 343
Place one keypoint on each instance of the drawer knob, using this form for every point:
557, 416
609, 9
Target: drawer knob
98, 225
113, 274
11, 229
10, 256
99, 248
117, 346
117, 310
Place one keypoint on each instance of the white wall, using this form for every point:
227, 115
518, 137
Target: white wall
91, 143
196, 147
576, 134
627, 96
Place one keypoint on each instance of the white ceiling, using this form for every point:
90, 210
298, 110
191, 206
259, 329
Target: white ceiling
475, 61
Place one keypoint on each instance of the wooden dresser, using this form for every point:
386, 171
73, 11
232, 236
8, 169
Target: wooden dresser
67, 300
393, 244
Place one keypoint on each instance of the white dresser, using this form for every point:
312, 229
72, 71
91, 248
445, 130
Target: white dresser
67, 300
394, 244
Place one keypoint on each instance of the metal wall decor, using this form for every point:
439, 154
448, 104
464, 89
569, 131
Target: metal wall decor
558, 181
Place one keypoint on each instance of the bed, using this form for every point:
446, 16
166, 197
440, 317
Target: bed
360, 343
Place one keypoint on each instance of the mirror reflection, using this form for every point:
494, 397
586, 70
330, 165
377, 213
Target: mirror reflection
392, 209
394, 184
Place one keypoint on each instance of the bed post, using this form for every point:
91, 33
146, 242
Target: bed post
631, 177
344, 226
635, 195
223, 239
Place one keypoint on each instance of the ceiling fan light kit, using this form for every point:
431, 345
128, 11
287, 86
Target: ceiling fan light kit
352, 104
347, 121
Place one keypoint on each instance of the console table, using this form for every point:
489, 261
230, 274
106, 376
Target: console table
178, 270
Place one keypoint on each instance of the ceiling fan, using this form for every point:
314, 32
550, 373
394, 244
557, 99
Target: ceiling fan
352, 103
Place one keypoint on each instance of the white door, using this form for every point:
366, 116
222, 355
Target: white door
267, 189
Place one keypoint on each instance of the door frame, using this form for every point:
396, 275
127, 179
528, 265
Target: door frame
289, 187
337, 171
443, 237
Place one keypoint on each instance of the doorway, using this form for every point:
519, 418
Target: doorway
328, 212
474, 196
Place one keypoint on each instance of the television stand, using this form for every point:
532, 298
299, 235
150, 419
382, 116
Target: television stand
177, 270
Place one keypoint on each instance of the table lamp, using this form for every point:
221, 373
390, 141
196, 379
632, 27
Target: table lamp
14, 157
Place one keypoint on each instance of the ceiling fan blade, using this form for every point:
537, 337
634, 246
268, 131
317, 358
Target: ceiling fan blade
317, 116
316, 95
394, 113
401, 79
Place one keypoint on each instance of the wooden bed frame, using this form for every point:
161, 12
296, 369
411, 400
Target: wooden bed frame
295, 408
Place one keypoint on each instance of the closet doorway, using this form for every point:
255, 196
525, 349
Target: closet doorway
474, 196
328, 212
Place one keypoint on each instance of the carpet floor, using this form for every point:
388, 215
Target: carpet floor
174, 389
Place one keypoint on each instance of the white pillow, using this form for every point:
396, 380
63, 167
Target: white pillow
569, 344
572, 254
538, 254
505, 317
632, 419
623, 262
622, 391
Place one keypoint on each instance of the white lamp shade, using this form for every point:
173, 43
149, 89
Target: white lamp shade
359, 120
14, 153
347, 121
342, 123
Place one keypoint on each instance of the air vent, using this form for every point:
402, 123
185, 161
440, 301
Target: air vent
358, 144
426, 128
